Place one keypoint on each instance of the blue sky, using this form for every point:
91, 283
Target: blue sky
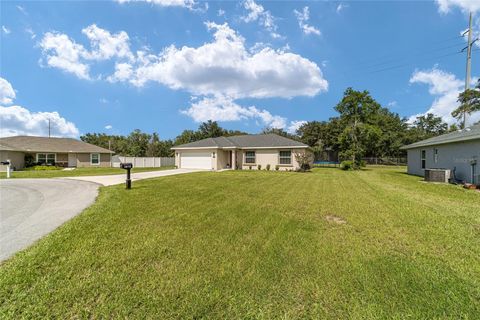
166, 65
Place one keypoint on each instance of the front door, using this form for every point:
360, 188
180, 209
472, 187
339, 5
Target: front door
72, 159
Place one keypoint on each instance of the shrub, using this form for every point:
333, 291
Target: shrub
347, 165
259, 167
268, 167
277, 167
362, 164
249, 167
43, 168
29, 160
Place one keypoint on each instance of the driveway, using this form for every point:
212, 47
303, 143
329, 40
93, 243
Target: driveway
32, 208
111, 180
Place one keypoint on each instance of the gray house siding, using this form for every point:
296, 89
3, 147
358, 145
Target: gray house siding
457, 155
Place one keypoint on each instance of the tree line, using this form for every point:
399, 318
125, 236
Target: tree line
362, 128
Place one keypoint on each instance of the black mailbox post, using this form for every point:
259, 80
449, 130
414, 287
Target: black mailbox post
127, 166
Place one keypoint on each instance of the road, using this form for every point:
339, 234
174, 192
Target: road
32, 208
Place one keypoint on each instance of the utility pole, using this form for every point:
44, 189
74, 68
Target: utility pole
49, 127
469, 64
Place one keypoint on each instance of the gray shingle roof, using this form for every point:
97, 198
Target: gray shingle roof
470, 133
244, 141
44, 144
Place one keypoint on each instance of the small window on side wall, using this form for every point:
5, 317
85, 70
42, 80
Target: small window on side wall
250, 157
435, 155
424, 158
95, 158
285, 157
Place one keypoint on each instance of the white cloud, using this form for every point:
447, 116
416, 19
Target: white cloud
165, 3
341, 7
17, 120
444, 6
6, 30
303, 18
445, 87
295, 125
225, 67
62, 53
22, 10
7, 94
105, 45
31, 33
225, 109
108, 127
221, 13
392, 104
256, 12
103, 101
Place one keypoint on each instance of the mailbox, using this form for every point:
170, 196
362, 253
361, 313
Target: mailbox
6, 163
127, 166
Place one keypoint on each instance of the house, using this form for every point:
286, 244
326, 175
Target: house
64, 152
459, 151
240, 152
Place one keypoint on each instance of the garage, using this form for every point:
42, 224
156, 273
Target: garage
196, 160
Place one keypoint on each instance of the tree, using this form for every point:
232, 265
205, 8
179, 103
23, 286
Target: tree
279, 132
469, 103
356, 109
210, 129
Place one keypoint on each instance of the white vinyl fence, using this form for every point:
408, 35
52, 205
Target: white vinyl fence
143, 162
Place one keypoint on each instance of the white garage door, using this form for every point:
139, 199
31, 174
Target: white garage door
196, 160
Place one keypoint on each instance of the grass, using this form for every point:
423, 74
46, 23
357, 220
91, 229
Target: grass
75, 173
258, 245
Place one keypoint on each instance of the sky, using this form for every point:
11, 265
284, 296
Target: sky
167, 65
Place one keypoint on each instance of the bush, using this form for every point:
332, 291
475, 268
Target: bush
29, 160
259, 167
277, 167
43, 168
249, 167
268, 167
347, 165
362, 164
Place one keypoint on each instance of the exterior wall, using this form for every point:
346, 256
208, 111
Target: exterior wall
62, 160
457, 155
17, 158
223, 159
178, 155
269, 156
83, 160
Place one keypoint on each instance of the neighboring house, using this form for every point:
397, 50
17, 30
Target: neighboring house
240, 152
459, 150
63, 152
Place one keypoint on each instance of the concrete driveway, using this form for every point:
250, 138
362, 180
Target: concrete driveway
111, 180
32, 208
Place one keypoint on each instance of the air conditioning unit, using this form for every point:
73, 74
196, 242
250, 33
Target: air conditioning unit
437, 175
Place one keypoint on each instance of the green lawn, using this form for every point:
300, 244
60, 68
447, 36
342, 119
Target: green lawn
75, 173
331, 244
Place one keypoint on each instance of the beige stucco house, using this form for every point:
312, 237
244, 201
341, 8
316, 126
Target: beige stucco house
240, 152
63, 152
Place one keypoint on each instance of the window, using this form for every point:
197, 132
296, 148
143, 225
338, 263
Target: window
46, 158
94, 158
285, 157
435, 155
423, 158
250, 157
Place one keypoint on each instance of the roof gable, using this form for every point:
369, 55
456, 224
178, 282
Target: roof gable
45, 144
244, 141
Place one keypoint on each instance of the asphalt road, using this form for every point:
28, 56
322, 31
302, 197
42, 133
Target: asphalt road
32, 208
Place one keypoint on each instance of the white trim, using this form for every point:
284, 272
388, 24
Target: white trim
94, 164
